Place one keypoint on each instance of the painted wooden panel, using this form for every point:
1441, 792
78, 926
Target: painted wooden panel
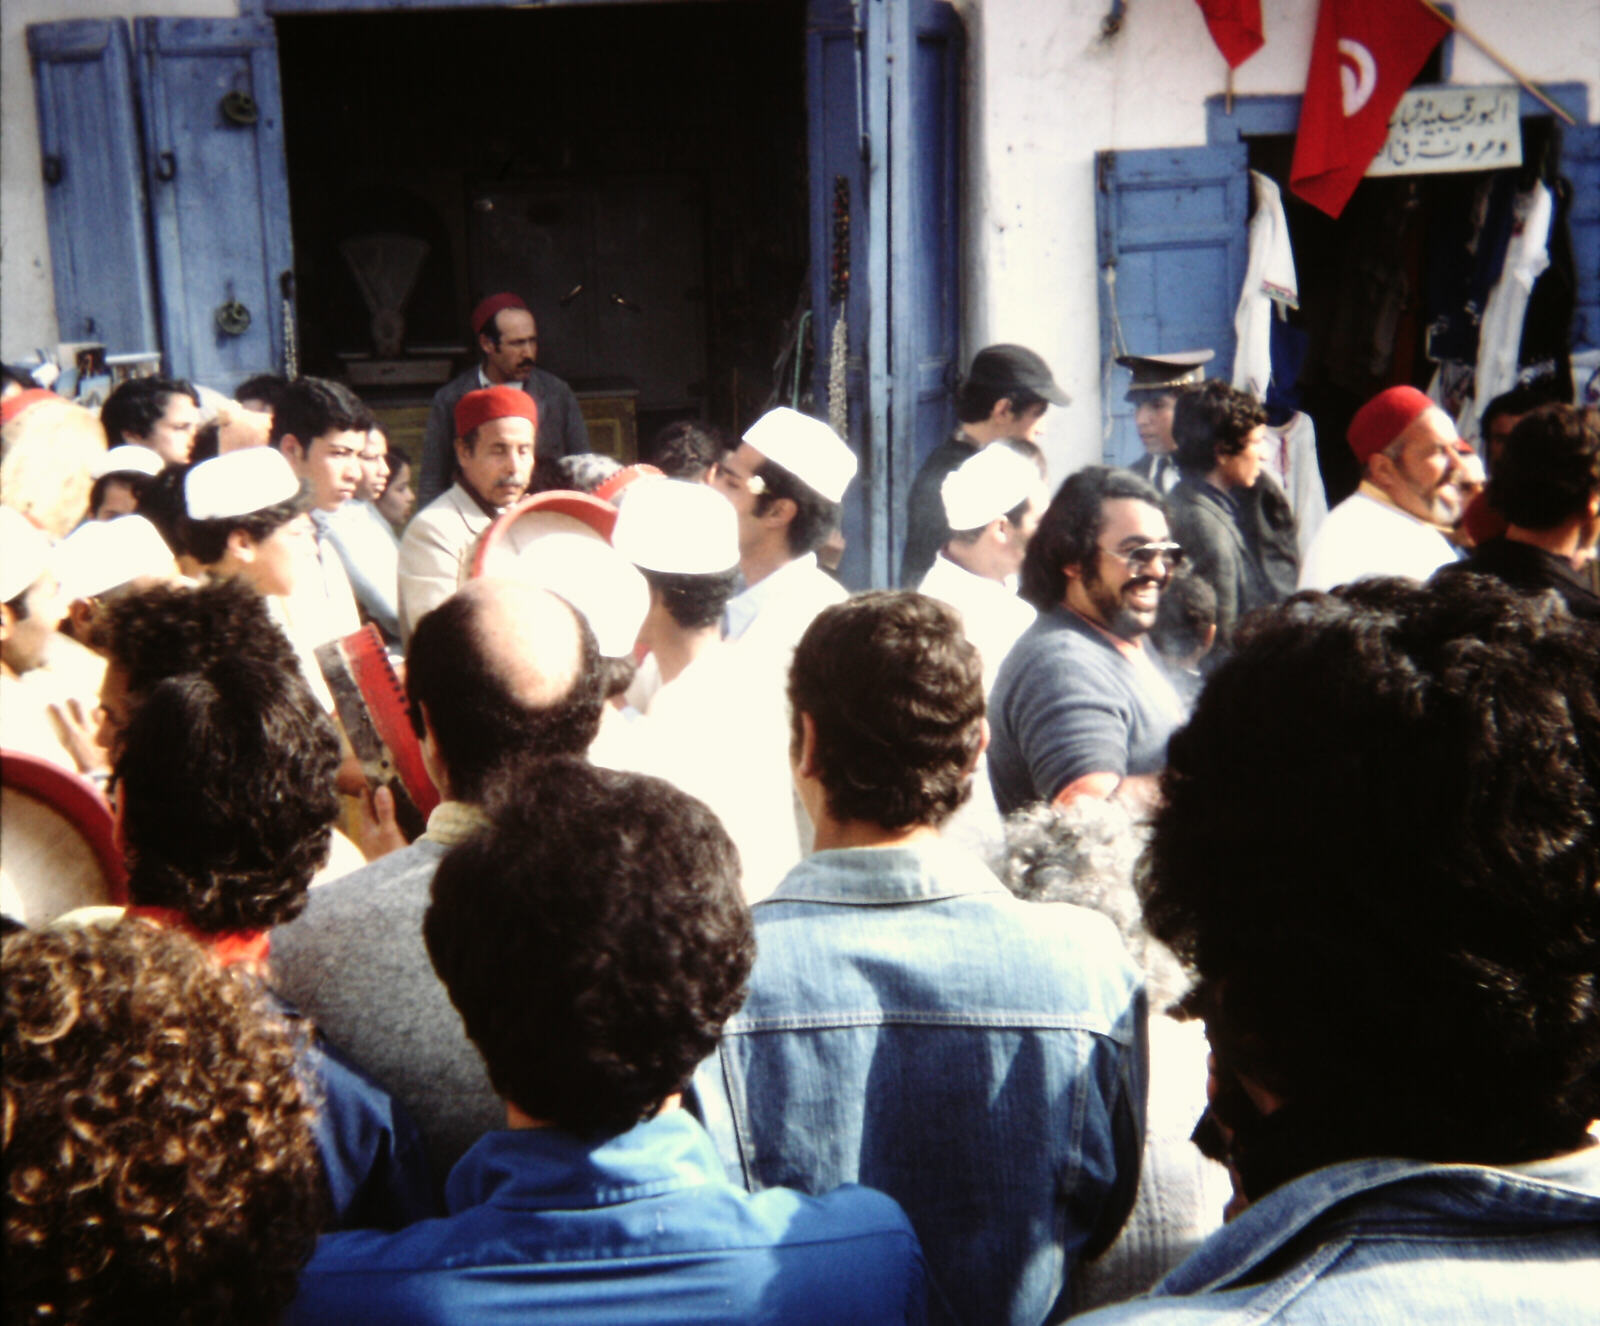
94, 194
219, 194
1173, 245
1580, 163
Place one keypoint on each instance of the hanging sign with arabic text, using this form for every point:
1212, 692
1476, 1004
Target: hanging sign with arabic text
1445, 128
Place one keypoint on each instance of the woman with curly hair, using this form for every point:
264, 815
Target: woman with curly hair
158, 1146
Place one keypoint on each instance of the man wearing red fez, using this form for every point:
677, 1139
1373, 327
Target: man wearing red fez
494, 431
508, 344
1394, 523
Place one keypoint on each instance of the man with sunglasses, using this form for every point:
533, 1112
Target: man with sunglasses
1082, 705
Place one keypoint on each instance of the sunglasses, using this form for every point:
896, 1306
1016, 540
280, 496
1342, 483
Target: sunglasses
1140, 560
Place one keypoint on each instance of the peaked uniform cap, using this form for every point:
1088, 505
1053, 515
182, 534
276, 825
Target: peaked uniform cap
1166, 373
986, 486
239, 483
807, 448
678, 528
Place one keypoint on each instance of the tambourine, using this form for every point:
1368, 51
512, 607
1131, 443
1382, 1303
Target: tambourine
551, 512
59, 841
372, 706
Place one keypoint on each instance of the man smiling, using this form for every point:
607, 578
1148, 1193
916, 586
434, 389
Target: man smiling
1081, 706
495, 430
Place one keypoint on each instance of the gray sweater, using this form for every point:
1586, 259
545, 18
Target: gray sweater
355, 964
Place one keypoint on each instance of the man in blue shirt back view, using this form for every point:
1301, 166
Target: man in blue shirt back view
910, 1024
594, 938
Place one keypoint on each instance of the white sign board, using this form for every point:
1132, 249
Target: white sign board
1444, 128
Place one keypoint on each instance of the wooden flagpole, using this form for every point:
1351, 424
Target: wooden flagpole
1527, 83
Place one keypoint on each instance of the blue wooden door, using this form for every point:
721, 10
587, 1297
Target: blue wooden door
883, 84
94, 195
219, 194
1580, 163
1173, 236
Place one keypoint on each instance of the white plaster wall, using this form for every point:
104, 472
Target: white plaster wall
1046, 91
27, 297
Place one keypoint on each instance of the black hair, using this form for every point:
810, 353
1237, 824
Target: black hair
895, 691
134, 481
207, 540
207, 442
1523, 399
594, 939
1377, 849
815, 517
687, 449
265, 387
1184, 616
1212, 420
310, 407
164, 504
694, 602
975, 401
1550, 467
478, 722
135, 407
227, 794
1069, 530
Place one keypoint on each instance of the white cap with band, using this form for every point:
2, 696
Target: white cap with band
986, 486
807, 448
677, 528
238, 484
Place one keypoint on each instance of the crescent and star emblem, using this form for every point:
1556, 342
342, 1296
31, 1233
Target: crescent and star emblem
1359, 77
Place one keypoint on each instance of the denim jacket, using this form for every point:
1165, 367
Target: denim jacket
913, 1027
1398, 1241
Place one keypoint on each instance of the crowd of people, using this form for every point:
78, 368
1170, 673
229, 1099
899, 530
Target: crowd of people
1151, 908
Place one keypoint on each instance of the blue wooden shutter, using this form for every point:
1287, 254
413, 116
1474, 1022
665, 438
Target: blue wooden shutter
219, 193
1173, 244
1580, 163
94, 197
882, 88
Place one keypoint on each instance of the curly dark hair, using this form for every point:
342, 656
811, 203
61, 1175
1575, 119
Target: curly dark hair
687, 449
136, 406
479, 722
1379, 850
207, 540
228, 796
159, 1155
694, 601
167, 629
1549, 469
594, 940
896, 693
162, 503
1210, 421
1069, 530
310, 407
815, 517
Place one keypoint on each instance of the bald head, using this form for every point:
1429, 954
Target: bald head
499, 670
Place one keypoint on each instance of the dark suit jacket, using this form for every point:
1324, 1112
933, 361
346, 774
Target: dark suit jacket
562, 431
1250, 559
1530, 569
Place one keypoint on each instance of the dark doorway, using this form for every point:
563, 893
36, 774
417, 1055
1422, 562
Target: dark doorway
637, 172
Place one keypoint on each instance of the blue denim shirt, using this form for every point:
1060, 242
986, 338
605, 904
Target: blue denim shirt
1401, 1242
914, 1027
641, 1227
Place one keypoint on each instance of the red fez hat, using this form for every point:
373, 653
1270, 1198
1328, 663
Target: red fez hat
489, 307
479, 407
15, 405
1384, 418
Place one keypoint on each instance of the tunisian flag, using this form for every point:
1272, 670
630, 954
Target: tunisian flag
1235, 27
1364, 57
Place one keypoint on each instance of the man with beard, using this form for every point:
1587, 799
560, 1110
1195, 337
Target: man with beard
1393, 524
508, 344
1082, 706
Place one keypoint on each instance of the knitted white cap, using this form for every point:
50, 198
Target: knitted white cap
103, 554
986, 486
807, 448
239, 483
127, 460
680, 528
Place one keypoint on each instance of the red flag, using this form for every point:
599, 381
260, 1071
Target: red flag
1364, 57
1235, 27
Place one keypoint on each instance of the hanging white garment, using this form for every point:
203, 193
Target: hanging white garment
1269, 280
1500, 336
1292, 461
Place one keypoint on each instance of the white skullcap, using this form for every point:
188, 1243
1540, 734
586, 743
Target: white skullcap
24, 553
238, 484
127, 460
595, 579
103, 554
807, 448
680, 528
986, 486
